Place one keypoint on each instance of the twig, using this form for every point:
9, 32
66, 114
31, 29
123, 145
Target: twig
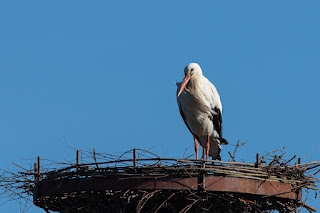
312, 151
95, 158
237, 146
311, 209
164, 202
233, 160
187, 208
290, 159
272, 152
19, 166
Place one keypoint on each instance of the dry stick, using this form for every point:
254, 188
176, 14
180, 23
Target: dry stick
306, 198
217, 169
314, 174
291, 159
65, 141
305, 164
312, 167
94, 157
119, 158
272, 152
238, 145
283, 205
308, 207
199, 160
185, 150
148, 197
251, 175
233, 160
247, 201
312, 151
187, 208
164, 202
26, 179
313, 188
163, 159
146, 151
19, 166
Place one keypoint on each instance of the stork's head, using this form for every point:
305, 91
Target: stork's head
192, 70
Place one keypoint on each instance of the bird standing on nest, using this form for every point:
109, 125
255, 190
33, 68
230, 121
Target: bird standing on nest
200, 107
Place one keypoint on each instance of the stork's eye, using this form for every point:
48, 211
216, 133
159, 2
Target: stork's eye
192, 69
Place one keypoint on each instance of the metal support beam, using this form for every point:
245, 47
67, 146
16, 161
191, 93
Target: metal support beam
134, 158
38, 170
257, 160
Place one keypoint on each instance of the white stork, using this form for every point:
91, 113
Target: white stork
200, 107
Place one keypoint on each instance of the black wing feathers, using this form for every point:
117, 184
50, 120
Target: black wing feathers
217, 121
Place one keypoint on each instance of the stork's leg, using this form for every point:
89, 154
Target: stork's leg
196, 146
208, 146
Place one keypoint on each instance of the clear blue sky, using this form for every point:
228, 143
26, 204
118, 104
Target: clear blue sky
101, 74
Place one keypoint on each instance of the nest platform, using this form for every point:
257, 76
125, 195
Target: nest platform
138, 181
172, 185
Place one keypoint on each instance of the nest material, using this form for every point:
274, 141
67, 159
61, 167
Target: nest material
145, 164
163, 201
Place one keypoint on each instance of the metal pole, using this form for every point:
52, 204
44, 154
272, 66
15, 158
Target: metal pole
77, 159
35, 172
257, 161
203, 153
203, 158
38, 166
134, 158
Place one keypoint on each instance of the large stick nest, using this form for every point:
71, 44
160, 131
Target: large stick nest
19, 185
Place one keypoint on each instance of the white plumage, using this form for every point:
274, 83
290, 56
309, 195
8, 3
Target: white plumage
200, 107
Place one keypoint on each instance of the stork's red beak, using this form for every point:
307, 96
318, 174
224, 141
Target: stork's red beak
184, 83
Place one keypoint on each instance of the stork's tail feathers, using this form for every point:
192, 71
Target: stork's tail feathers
218, 158
223, 141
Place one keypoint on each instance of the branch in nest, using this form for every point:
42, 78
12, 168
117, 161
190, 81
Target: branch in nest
273, 152
235, 149
312, 151
233, 160
290, 159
